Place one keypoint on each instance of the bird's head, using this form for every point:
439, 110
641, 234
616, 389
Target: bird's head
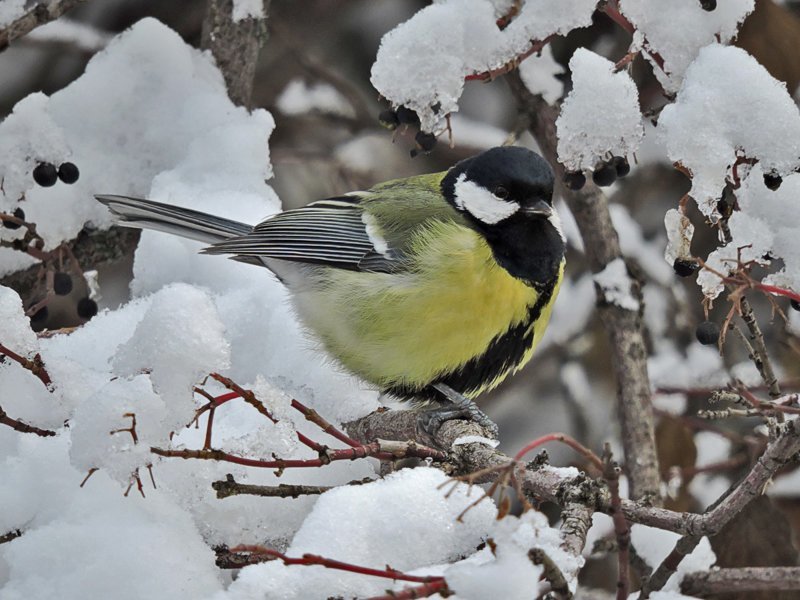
500, 184
506, 194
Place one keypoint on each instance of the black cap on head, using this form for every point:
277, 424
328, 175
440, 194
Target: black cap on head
523, 173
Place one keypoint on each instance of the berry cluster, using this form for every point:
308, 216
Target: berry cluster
46, 174
604, 174
60, 280
392, 119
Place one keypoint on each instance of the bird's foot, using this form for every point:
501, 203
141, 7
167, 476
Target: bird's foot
460, 407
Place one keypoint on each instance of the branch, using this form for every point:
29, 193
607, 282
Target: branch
23, 427
39, 14
235, 46
230, 487
35, 366
748, 579
624, 327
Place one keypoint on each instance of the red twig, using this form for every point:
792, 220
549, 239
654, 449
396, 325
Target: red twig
35, 366
329, 563
418, 591
536, 46
612, 10
313, 416
565, 439
381, 450
23, 427
247, 395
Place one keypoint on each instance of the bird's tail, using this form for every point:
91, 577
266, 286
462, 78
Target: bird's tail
185, 222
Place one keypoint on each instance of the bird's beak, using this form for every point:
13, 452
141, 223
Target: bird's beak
540, 208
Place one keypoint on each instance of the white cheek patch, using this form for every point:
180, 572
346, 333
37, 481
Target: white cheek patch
555, 221
373, 232
481, 203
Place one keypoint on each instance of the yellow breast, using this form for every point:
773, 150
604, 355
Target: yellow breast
407, 329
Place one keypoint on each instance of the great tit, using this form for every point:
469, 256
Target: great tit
429, 285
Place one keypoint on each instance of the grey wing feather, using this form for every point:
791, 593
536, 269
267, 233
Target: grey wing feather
193, 224
329, 232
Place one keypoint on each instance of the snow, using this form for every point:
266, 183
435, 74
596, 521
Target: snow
11, 10
539, 74
765, 226
653, 545
679, 236
298, 98
243, 9
616, 285
351, 524
422, 63
17, 333
676, 31
590, 131
729, 106
508, 572
67, 31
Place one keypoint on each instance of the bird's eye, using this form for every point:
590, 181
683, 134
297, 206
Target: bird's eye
501, 192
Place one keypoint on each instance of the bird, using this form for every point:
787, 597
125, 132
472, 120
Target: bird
434, 288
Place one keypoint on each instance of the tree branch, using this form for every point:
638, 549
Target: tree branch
39, 14
624, 327
748, 579
235, 46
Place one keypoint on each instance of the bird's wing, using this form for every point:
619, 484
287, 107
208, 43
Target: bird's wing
361, 231
335, 232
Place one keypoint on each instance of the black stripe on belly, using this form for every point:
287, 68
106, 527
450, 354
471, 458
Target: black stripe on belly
505, 352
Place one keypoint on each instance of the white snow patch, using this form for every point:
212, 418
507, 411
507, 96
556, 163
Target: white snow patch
591, 129
616, 285
299, 98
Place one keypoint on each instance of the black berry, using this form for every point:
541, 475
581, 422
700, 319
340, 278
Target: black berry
574, 180
773, 181
604, 174
622, 165
87, 308
794, 304
426, 141
707, 333
20, 214
684, 267
40, 316
45, 174
388, 118
68, 172
406, 116
708, 5
62, 283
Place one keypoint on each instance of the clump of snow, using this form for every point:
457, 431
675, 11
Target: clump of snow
539, 74
476, 439
17, 334
67, 31
298, 98
243, 9
600, 117
11, 10
351, 524
729, 106
508, 572
422, 63
653, 545
676, 30
764, 229
616, 286
175, 110
679, 236
179, 339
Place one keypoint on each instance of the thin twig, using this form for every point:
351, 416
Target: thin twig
230, 487
624, 327
23, 427
35, 366
39, 14
748, 579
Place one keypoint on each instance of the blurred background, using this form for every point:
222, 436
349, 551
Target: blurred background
313, 76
